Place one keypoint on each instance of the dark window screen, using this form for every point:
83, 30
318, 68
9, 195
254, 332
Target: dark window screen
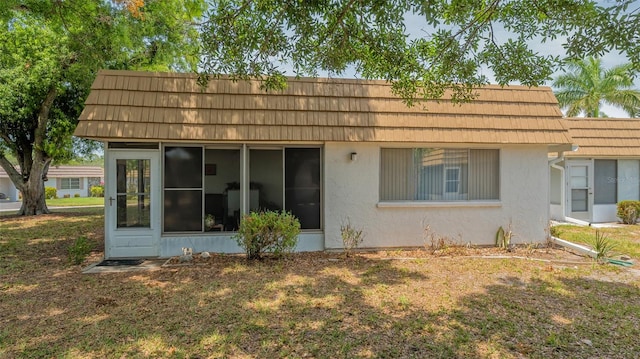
302, 185
182, 211
183, 167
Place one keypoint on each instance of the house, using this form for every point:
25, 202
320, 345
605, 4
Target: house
68, 180
328, 150
586, 184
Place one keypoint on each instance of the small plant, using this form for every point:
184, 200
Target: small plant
629, 211
97, 191
351, 237
76, 195
503, 238
79, 250
50, 193
603, 246
437, 244
555, 231
268, 232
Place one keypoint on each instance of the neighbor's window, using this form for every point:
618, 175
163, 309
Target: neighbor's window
439, 174
605, 183
70, 183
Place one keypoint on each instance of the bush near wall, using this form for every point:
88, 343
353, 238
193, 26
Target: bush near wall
268, 232
50, 193
629, 211
97, 191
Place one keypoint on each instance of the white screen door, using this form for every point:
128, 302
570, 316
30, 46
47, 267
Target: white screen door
580, 190
132, 198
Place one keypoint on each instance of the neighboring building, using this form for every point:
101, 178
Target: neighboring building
586, 184
327, 150
68, 180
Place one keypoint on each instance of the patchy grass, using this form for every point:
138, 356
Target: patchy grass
309, 305
626, 238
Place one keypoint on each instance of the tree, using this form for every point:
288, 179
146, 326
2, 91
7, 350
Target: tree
264, 39
588, 85
50, 52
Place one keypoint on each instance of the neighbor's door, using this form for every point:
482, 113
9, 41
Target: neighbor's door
580, 189
132, 205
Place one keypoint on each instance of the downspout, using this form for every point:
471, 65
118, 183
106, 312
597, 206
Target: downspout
553, 164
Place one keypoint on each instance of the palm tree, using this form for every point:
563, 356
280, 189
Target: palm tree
587, 86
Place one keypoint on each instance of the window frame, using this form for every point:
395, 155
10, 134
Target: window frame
446, 180
68, 183
496, 202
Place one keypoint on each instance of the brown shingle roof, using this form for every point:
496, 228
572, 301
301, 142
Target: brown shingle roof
134, 106
604, 137
68, 171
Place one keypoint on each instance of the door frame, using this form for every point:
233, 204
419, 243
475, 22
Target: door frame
121, 242
588, 214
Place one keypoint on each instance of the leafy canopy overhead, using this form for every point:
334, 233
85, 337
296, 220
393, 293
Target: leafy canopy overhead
265, 39
50, 52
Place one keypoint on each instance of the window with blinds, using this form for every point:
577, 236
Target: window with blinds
439, 174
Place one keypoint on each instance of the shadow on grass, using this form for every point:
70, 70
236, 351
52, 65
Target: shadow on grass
309, 306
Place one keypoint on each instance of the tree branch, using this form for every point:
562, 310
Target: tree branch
13, 173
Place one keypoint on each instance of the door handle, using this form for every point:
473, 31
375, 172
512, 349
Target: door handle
111, 201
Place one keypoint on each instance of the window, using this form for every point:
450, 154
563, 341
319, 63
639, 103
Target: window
452, 180
133, 188
70, 183
605, 184
439, 174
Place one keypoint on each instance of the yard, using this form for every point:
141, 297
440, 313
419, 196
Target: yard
377, 305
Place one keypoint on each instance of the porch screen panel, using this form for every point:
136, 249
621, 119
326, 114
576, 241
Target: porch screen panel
398, 174
183, 192
302, 185
605, 189
484, 174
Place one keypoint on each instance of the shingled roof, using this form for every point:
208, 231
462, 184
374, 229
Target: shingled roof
133, 106
68, 171
605, 137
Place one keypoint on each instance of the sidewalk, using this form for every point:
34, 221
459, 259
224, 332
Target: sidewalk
15, 206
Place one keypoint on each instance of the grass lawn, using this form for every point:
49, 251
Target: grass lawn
310, 305
75, 201
626, 238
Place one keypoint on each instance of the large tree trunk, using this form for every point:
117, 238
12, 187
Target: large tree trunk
33, 161
33, 196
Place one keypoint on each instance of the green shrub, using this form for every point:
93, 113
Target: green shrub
268, 232
629, 211
76, 195
97, 191
50, 193
79, 250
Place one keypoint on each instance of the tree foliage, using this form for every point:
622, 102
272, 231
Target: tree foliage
50, 52
264, 39
587, 86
